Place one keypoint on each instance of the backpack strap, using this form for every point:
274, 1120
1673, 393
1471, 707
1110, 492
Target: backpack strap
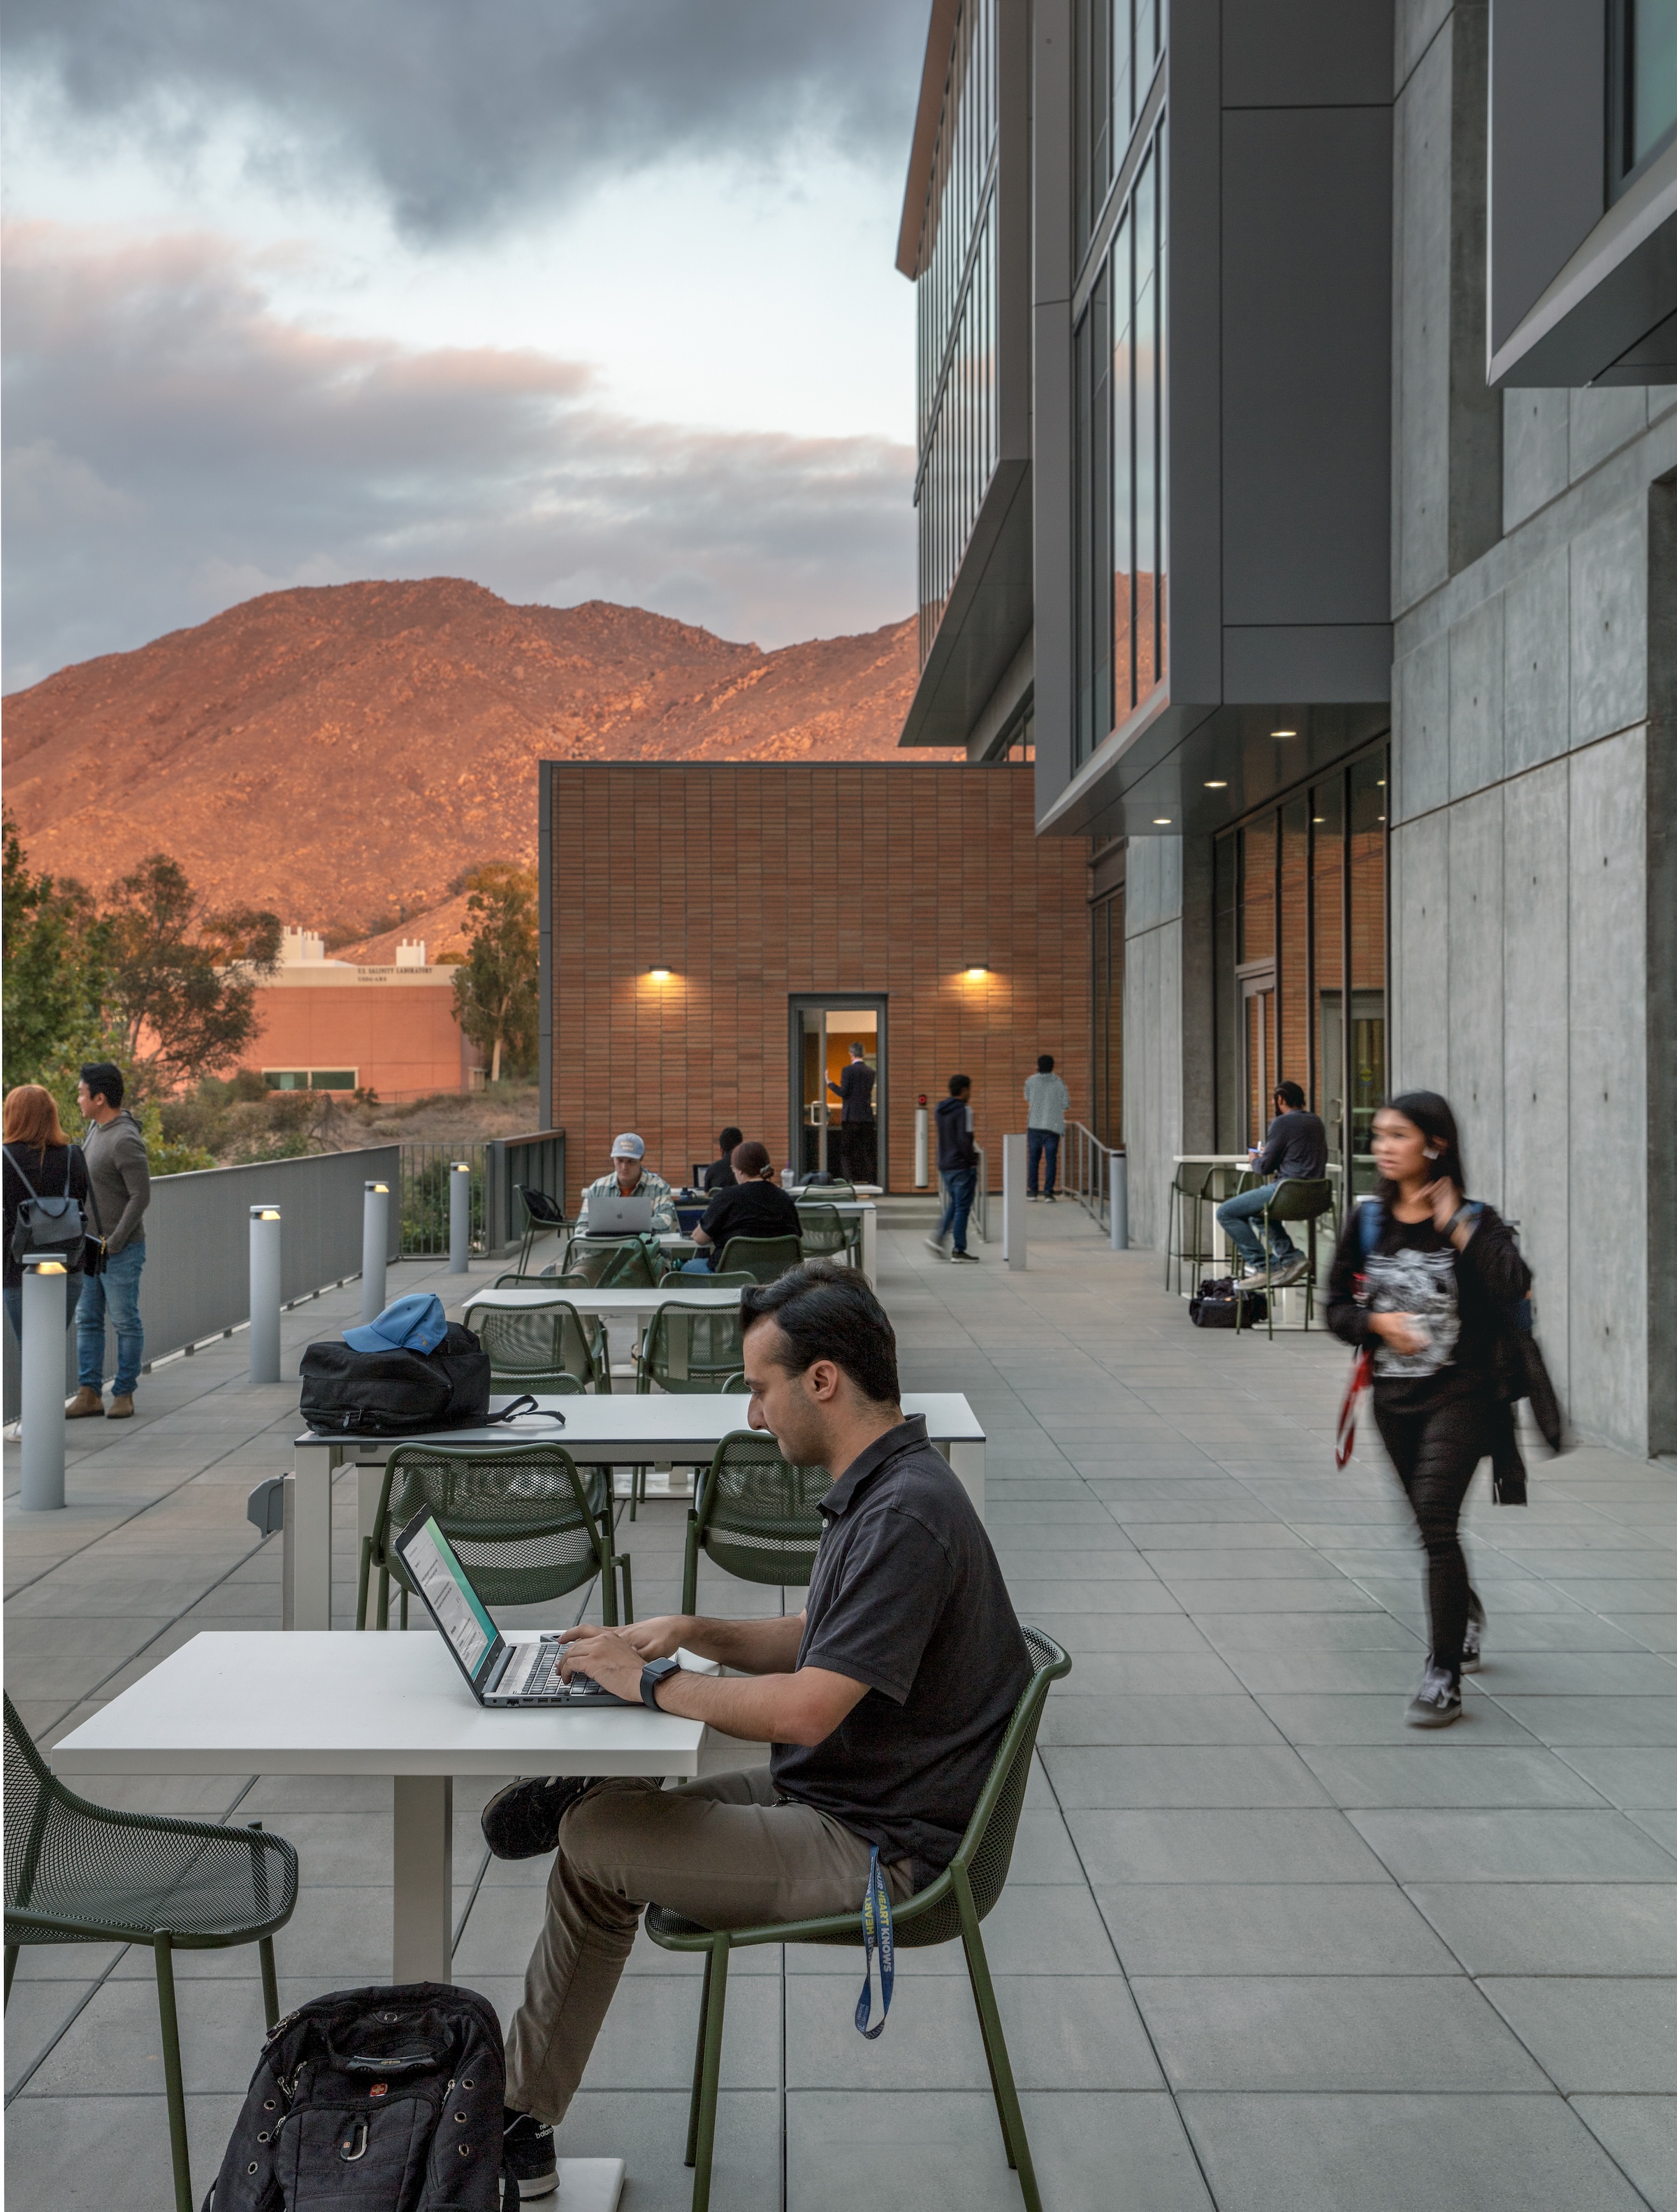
1370, 1221
23, 1178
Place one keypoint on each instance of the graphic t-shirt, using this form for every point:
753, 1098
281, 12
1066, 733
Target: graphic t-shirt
1421, 1284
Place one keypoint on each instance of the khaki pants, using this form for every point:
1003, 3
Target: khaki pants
721, 1851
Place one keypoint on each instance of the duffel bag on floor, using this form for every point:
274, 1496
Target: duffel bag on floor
1214, 1306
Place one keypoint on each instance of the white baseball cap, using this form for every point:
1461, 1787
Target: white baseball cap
629, 1146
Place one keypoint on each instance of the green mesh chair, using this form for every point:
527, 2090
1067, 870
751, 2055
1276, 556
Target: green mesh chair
754, 1514
688, 1348
1296, 1198
553, 1282
673, 1278
542, 1217
525, 1522
827, 1234
77, 1873
953, 1904
590, 1256
761, 1258
735, 1385
825, 1193
533, 1347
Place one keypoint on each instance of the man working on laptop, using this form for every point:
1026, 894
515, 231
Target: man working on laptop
885, 1701
629, 1177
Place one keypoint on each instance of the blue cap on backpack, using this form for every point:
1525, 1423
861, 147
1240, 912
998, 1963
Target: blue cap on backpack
415, 1323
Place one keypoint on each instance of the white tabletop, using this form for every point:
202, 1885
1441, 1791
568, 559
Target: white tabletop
652, 1424
1212, 1159
297, 1702
694, 1291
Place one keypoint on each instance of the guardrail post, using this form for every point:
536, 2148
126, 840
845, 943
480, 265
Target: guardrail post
1118, 1198
1013, 1170
459, 1216
42, 1410
374, 1247
265, 1226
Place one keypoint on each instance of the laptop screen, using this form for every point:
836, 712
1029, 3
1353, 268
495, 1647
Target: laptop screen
429, 1557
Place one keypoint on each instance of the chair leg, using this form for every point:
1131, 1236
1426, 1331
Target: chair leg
361, 1586
710, 2069
607, 1585
269, 1981
692, 2151
383, 1614
173, 2086
690, 1566
11, 1968
995, 2048
627, 1572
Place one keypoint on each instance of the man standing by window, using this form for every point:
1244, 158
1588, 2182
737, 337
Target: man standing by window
119, 1176
1045, 1101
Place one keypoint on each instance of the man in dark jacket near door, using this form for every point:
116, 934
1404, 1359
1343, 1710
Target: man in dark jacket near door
958, 1163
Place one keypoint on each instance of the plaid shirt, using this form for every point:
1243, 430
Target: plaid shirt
650, 1186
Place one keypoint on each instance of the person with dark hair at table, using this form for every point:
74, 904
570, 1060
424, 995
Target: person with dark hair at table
885, 1700
719, 1175
1294, 1149
754, 1205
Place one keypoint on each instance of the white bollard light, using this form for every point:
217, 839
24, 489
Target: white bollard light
1118, 1200
460, 1218
374, 1248
42, 1409
922, 1149
264, 1294
1014, 1151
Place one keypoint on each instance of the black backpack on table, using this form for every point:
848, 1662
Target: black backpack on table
379, 2099
395, 1393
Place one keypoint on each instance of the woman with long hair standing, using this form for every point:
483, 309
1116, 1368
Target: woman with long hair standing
40, 1162
1426, 1281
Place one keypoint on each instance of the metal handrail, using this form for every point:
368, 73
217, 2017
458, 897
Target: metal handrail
1092, 1173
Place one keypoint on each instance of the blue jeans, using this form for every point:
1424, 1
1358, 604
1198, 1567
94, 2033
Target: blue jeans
1042, 1147
700, 1266
13, 1296
1236, 1215
115, 1292
959, 1185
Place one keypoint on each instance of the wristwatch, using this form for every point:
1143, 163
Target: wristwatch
653, 1674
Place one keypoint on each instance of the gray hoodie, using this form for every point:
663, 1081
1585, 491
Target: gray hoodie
120, 1175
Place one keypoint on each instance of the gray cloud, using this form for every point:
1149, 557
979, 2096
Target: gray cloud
174, 447
462, 112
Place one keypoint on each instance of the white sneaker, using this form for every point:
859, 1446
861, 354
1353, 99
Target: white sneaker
935, 1245
13, 1433
1436, 1702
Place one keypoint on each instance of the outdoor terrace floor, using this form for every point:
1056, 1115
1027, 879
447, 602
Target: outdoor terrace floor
1263, 1947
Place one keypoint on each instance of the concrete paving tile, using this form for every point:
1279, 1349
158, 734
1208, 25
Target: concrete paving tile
1062, 2033
1327, 1674
1554, 1632
1618, 2035
1472, 1846
1582, 1673
1555, 1928
1045, 1930
1641, 2133
37, 2013
1221, 1846
1300, 1928
1327, 1718
648, 2038
1662, 1826
1144, 1674
1631, 1777
1033, 1595
1117, 1563
1327, 1593
1305, 1633
1314, 2033
1142, 1719
1172, 1537
1084, 1632
1657, 1630
95, 2154
1243, 1565
1620, 1594
1448, 1773
1398, 2152
1597, 1723
1140, 1776
1043, 1851
647, 2130
943, 2148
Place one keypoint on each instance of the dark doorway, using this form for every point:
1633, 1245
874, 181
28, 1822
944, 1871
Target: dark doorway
824, 1026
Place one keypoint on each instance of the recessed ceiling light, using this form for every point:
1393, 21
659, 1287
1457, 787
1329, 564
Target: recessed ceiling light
1381, 781
1284, 734
1161, 822
1380, 818
1217, 786
1318, 818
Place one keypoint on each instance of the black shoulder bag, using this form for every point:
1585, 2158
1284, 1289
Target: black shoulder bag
48, 1227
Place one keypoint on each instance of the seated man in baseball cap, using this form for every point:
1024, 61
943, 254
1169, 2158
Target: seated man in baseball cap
630, 1177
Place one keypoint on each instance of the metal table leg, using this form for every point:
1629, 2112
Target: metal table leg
870, 1247
308, 1537
422, 1912
968, 1461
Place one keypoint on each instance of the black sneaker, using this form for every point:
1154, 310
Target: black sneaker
1437, 1701
522, 1821
1472, 1647
526, 2152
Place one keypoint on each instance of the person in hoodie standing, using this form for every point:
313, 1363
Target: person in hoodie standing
120, 1176
958, 1163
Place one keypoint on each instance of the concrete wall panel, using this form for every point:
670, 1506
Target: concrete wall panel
1536, 1149
1609, 624
1420, 723
1475, 990
1421, 332
1416, 24
1420, 954
1599, 422
1607, 1177
1476, 699
1535, 663
1534, 452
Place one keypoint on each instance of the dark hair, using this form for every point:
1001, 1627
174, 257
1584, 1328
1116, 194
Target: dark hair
104, 1079
1045, 1063
750, 1159
828, 1312
1292, 1093
1431, 1116
729, 1139
857, 1046
957, 1084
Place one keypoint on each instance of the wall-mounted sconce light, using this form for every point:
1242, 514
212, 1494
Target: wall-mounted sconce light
659, 975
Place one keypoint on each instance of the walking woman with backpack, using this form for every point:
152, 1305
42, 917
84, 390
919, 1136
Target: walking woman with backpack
40, 1162
1425, 1280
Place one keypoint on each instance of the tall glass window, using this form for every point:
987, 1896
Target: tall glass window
956, 305
1107, 1115
1299, 943
1645, 84
1095, 418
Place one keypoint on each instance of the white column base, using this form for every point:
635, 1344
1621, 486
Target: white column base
587, 2185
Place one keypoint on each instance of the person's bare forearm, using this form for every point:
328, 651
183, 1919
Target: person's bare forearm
749, 1647
761, 1711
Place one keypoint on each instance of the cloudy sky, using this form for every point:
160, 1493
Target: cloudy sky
579, 298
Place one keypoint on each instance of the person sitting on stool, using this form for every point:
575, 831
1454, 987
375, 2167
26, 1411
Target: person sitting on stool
1294, 1149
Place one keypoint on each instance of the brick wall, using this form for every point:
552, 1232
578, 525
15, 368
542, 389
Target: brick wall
754, 880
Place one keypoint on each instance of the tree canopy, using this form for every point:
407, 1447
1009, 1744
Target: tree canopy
497, 987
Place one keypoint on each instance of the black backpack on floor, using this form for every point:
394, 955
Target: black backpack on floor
395, 1393
1215, 1305
372, 2100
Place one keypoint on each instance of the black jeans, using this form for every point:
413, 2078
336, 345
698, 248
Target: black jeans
1436, 1452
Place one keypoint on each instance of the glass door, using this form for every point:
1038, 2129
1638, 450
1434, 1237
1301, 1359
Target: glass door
838, 1119
1257, 991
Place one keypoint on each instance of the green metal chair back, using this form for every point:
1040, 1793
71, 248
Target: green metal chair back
754, 1514
826, 1232
761, 1258
689, 1348
825, 1193
638, 1266
1301, 1199
79, 1872
590, 1256
533, 1347
553, 1282
734, 1385
542, 1217
953, 1903
524, 1524
718, 1281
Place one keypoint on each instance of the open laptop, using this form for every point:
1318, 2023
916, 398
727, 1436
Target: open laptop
618, 1216
497, 1672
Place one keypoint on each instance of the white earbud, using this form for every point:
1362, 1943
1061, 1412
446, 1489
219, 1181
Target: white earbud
1428, 1153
